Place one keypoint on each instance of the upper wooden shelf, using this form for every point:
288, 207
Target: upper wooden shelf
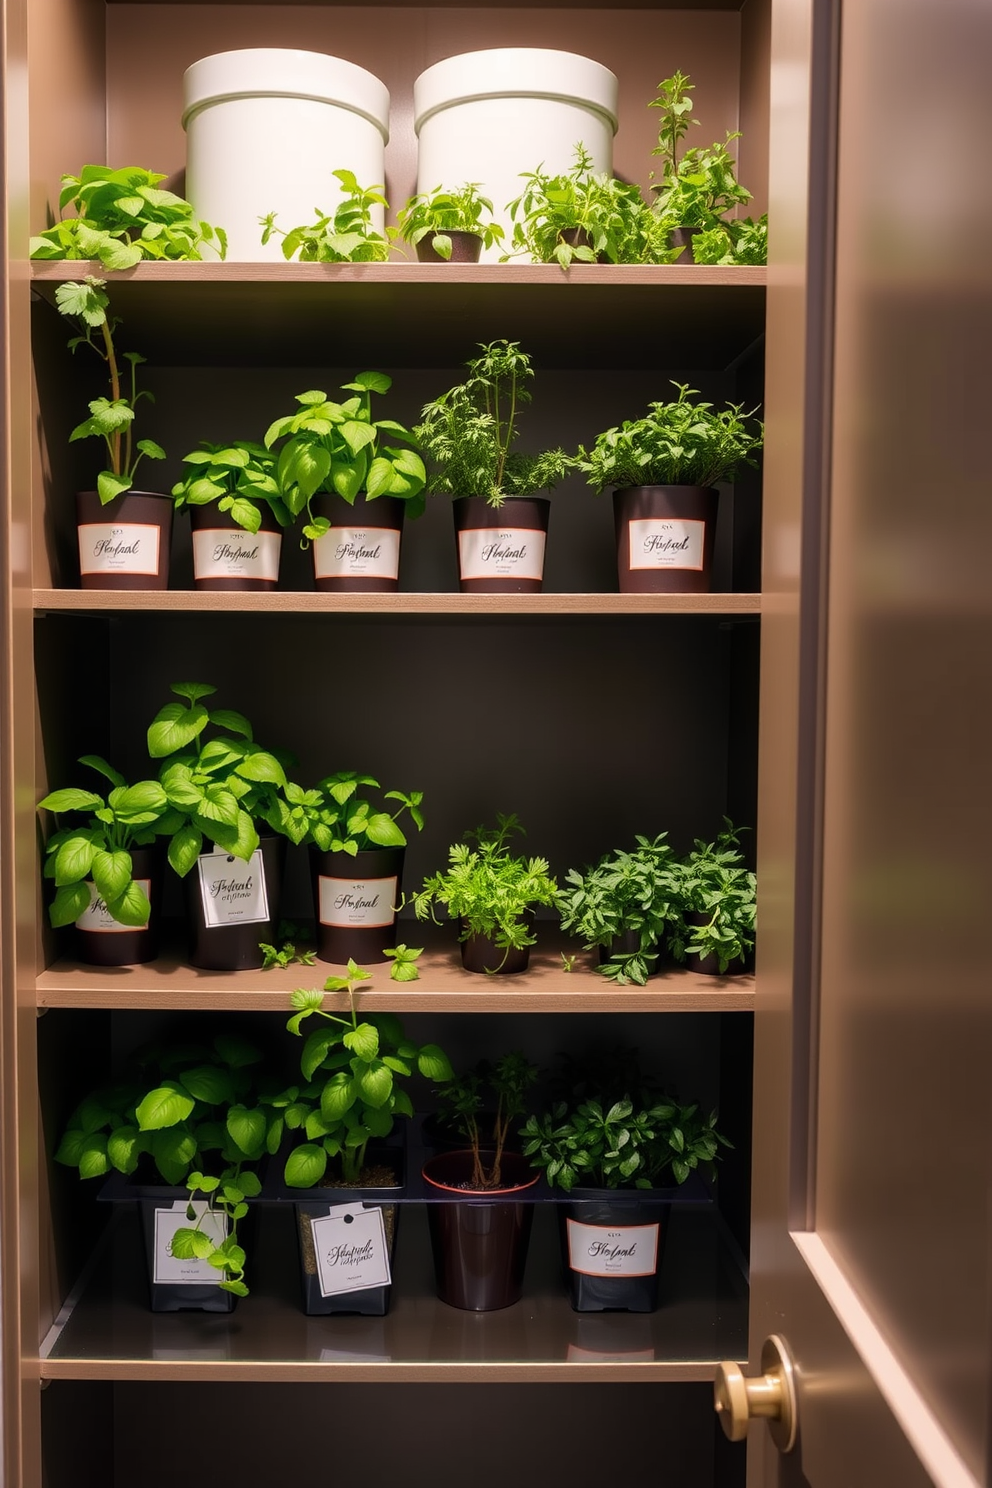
304, 602
427, 315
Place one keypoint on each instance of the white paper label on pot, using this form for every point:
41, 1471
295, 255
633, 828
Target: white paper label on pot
232, 892
119, 548
366, 904
357, 552
170, 1271
220, 553
351, 1250
612, 1250
666, 542
501, 553
98, 917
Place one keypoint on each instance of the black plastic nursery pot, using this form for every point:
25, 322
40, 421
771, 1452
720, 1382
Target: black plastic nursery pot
341, 1264
466, 247
629, 941
665, 538
184, 1286
226, 557
232, 905
484, 956
360, 554
710, 965
355, 902
126, 544
480, 1239
612, 1246
501, 550
103, 941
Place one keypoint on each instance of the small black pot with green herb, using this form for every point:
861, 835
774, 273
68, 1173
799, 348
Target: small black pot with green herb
622, 907
714, 931
236, 515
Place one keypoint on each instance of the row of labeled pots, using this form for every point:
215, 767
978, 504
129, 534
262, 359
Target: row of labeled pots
665, 539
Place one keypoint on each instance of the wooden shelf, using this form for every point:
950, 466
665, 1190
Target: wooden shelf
399, 314
110, 1334
443, 986
305, 602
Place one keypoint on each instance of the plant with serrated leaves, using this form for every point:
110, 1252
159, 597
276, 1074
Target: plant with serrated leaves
464, 1099
284, 955
189, 1108
351, 1093
346, 235
220, 787
238, 477
124, 216
340, 449
683, 443
621, 1146
469, 432
739, 240
713, 883
488, 888
625, 892
95, 858
437, 214
404, 960
110, 419
338, 816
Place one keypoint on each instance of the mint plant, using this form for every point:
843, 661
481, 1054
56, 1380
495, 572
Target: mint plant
584, 216
624, 892
404, 960
110, 419
124, 216
337, 816
345, 235
738, 241
463, 1100
622, 1146
714, 885
437, 214
238, 477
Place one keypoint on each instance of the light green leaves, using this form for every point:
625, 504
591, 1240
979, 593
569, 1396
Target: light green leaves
247, 1129
174, 727
164, 1106
185, 848
70, 800
404, 959
69, 903
306, 1166
206, 1082
363, 1041
84, 299
434, 1064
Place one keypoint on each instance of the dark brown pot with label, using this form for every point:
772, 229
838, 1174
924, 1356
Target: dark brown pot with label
226, 557
231, 905
465, 248
479, 1239
710, 965
355, 901
361, 552
102, 941
612, 1246
126, 544
665, 538
501, 549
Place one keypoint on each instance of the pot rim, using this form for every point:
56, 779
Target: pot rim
474, 1193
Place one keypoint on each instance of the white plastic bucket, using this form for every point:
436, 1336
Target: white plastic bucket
487, 116
266, 127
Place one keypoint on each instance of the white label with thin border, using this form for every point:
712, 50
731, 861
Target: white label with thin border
357, 552
98, 917
666, 542
167, 1269
501, 553
220, 553
613, 1250
367, 904
232, 892
351, 1250
119, 547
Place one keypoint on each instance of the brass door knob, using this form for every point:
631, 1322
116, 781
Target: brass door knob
770, 1397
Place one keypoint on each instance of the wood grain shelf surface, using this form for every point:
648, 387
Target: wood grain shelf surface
409, 314
110, 1334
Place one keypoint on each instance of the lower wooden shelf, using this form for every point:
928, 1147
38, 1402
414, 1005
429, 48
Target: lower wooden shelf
109, 1334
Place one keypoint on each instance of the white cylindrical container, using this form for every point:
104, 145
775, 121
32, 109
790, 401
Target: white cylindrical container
266, 127
487, 116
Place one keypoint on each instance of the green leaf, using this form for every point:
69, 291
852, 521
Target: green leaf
69, 903
164, 1106
209, 1084
247, 1129
237, 1287
251, 1184
185, 848
236, 1051
263, 767
337, 1096
433, 1064
123, 1148
173, 1150
70, 800
306, 1166
315, 1049
110, 486
235, 723
383, 831
93, 1162
70, 1149
111, 873
130, 801
131, 907
363, 1041
74, 858
174, 727
376, 1084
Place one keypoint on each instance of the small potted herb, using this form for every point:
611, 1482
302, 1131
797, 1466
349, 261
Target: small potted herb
124, 535
346, 1107
236, 514
664, 468
357, 849
449, 226
124, 216
108, 871
346, 235
221, 789
479, 1266
584, 216
714, 933
336, 458
468, 435
623, 906
185, 1126
492, 894
614, 1162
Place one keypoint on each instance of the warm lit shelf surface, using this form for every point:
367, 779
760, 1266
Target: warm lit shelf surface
110, 1334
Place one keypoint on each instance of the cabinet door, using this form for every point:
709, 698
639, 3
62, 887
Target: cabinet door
871, 1227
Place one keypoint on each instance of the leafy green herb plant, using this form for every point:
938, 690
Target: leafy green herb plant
289, 951
338, 816
463, 1100
238, 476
620, 1146
110, 419
717, 890
346, 235
439, 213
740, 240
625, 892
404, 960
469, 432
124, 216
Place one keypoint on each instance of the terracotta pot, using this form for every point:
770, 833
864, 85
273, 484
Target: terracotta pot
665, 538
501, 550
226, 557
361, 552
232, 905
465, 248
101, 941
682, 238
354, 903
126, 544
612, 1246
480, 1239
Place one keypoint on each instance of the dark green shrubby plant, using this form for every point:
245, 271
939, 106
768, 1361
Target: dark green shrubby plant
624, 892
713, 883
463, 1100
620, 1146
122, 217
238, 476
345, 235
437, 214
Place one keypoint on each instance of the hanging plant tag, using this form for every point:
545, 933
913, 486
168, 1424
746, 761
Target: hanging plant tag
357, 552
98, 918
366, 904
220, 553
232, 891
501, 553
351, 1250
613, 1250
666, 542
119, 548
167, 1270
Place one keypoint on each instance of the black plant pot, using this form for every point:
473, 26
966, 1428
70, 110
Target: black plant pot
501, 550
172, 1295
682, 238
126, 544
355, 902
232, 905
317, 1203
466, 247
710, 965
108, 943
629, 941
360, 554
612, 1246
480, 1239
480, 954
665, 538
227, 558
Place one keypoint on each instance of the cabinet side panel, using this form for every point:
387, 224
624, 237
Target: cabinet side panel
756, 37
67, 91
